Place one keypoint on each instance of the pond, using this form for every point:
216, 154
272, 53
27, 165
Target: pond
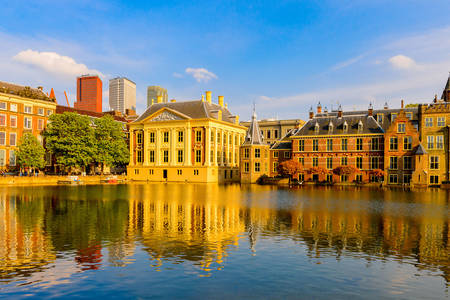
223, 241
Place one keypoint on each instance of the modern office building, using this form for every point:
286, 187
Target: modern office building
89, 93
191, 141
153, 92
122, 94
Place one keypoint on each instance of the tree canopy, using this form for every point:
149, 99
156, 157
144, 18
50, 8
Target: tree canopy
290, 167
345, 170
318, 170
30, 152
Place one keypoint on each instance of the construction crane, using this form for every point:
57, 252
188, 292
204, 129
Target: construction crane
67, 99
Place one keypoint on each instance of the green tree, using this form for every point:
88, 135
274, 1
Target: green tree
30, 152
111, 147
70, 138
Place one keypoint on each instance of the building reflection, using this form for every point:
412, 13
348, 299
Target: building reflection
203, 225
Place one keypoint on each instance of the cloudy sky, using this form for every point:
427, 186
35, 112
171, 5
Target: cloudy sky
283, 55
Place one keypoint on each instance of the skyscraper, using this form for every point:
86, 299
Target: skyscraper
122, 94
89, 93
153, 92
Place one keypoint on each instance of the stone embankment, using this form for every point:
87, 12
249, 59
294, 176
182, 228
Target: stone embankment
51, 180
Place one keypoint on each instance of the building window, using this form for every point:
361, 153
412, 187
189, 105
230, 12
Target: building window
329, 145
3, 105
428, 122
441, 121
12, 158
218, 138
301, 177
329, 163
407, 143
152, 156
315, 145
40, 111
344, 144
315, 161
150, 172
139, 156
407, 178
13, 121
165, 137
409, 115
434, 179
2, 120
139, 137
49, 112
344, 178
2, 157
180, 156
434, 162
430, 142
152, 137
218, 156
374, 163
375, 145
344, 160
198, 136
275, 167
136, 171
301, 160
275, 133
257, 153
198, 156
257, 167
301, 145
166, 156
393, 162
246, 167
27, 109
246, 153
407, 163
179, 172
268, 134
380, 118
195, 172
393, 143
345, 126
401, 127
393, 178
393, 116
2, 138
40, 124
13, 107
329, 178
440, 142
211, 156
12, 139
359, 162
275, 154
359, 144
287, 154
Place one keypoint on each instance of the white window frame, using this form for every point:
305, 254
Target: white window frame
5, 105
4, 115
15, 138
12, 157
4, 139
11, 107
25, 123
10, 120
25, 109
39, 111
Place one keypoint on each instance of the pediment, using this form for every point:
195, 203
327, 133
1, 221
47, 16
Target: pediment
166, 115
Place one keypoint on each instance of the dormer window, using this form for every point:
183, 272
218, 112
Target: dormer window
345, 126
316, 128
360, 126
330, 128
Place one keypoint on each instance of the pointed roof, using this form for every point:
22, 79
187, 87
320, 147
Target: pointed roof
52, 94
253, 136
447, 88
420, 150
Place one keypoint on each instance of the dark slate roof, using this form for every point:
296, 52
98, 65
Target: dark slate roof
196, 109
447, 87
369, 125
386, 115
285, 142
420, 150
253, 136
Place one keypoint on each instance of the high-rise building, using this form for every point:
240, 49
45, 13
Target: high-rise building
122, 94
153, 92
89, 93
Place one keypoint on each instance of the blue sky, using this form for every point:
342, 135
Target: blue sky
283, 55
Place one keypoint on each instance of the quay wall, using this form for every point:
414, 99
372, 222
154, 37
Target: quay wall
50, 180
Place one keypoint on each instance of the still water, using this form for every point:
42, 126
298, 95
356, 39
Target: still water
223, 241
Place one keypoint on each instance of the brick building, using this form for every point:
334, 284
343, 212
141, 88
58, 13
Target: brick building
89, 93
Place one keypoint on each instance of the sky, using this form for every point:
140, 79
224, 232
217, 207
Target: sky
284, 56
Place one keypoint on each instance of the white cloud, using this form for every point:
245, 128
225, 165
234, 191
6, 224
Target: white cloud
265, 98
55, 63
402, 62
201, 74
177, 75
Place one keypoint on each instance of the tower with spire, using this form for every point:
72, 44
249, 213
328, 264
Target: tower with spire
254, 158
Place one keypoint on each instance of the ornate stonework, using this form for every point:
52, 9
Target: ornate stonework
166, 116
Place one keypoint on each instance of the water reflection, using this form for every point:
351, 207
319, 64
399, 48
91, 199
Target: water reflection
88, 228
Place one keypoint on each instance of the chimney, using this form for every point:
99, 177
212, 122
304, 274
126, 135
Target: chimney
311, 113
325, 110
401, 105
435, 98
173, 100
221, 101
40, 88
319, 108
226, 105
208, 96
203, 98
153, 101
159, 99
237, 120
370, 111
340, 111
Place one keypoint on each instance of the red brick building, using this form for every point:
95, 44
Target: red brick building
89, 93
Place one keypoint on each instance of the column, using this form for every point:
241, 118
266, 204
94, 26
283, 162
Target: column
172, 147
158, 147
131, 148
233, 140
208, 146
214, 132
146, 148
222, 136
188, 149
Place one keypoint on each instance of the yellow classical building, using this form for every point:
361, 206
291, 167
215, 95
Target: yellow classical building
191, 141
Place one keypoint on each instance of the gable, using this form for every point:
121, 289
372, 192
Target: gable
166, 114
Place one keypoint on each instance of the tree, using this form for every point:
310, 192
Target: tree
290, 168
378, 173
345, 170
70, 138
318, 171
30, 152
111, 148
